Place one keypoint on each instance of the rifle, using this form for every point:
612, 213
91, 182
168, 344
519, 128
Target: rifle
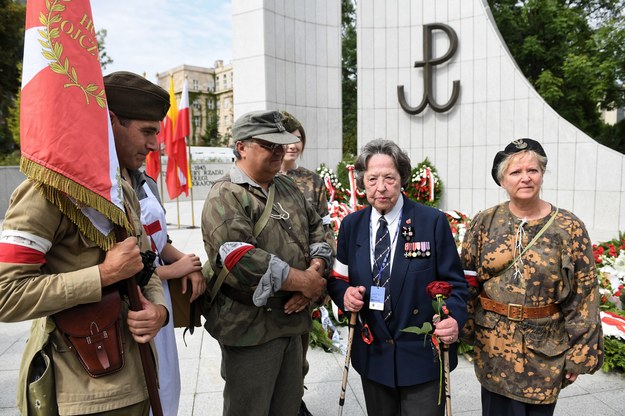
149, 371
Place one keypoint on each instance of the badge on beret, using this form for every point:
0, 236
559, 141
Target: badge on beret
519, 144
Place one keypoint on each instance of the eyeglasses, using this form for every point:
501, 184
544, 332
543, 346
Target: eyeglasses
272, 147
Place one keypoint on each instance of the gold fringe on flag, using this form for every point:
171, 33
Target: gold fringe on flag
56, 188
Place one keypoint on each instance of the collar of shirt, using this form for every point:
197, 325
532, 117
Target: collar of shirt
239, 177
392, 218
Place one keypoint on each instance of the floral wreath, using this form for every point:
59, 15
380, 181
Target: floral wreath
425, 185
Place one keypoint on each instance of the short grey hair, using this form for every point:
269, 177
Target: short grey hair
382, 147
503, 166
235, 151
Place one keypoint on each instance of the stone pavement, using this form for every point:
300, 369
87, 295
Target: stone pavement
599, 394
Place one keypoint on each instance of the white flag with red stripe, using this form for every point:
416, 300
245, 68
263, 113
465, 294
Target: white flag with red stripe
613, 325
66, 137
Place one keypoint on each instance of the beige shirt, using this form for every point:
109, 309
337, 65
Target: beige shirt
69, 277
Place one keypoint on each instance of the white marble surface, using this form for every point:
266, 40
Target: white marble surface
496, 105
287, 56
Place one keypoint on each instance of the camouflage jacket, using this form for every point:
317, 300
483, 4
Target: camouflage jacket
231, 209
314, 191
526, 360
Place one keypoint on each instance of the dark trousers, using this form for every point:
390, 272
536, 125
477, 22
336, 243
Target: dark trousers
264, 379
494, 404
417, 400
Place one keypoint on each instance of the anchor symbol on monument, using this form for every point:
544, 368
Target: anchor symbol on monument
428, 63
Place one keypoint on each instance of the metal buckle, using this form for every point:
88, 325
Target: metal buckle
515, 312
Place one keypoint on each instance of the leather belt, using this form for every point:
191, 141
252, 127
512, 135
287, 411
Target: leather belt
516, 312
274, 302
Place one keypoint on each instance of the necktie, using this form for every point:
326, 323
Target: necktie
382, 266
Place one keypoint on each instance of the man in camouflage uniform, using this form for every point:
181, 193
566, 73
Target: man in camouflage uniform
261, 310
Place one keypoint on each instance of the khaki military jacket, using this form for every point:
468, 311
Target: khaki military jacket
69, 277
231, 209
527, 360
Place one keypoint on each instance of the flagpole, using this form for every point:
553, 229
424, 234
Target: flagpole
190, 185
160, 168
178, 210
145, 351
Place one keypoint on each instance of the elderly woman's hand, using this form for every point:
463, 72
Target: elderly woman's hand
353, 298
446, 330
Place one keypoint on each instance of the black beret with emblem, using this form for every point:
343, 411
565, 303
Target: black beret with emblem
133, 97
520, 145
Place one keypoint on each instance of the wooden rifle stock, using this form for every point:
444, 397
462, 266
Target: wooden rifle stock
147, 361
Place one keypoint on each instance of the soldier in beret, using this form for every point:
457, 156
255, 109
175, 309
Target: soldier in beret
273, 271
48, 266
137, 106
534, 299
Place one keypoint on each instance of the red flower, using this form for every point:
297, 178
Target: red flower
612, 251
438, 287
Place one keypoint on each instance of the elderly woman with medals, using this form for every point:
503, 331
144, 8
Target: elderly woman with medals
387, 254
534, 301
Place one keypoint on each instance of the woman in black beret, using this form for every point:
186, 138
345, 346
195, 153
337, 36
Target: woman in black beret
534, 305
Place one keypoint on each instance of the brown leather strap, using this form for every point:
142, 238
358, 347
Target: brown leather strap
516, 312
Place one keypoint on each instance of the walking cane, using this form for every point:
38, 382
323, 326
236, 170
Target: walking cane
447, 380
348, 353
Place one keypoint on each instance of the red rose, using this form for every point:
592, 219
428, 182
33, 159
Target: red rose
438, 287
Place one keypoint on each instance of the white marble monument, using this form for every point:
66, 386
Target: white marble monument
495, 105
287, 56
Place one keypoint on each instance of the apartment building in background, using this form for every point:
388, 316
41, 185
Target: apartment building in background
210, 100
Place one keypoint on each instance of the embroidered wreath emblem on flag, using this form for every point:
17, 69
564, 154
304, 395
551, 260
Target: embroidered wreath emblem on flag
53, 51
69, 150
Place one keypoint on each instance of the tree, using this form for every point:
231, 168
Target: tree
10, 115
349, 77
573, 53
12, 20
104, 58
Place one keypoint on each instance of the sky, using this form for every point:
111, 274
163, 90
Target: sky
152, 36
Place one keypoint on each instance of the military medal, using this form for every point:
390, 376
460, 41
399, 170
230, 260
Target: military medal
407, 232
409, 249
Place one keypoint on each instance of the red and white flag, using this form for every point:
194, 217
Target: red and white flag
63, 112
176, 148
613, 325
153, 158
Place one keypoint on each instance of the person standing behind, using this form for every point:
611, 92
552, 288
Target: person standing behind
170, 262
313, 188
387, 253
534, 305
49, 266
261, 310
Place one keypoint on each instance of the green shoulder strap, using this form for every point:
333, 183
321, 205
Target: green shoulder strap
531, 243
258, 228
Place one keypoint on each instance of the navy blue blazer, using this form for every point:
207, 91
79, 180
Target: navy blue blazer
396, 358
